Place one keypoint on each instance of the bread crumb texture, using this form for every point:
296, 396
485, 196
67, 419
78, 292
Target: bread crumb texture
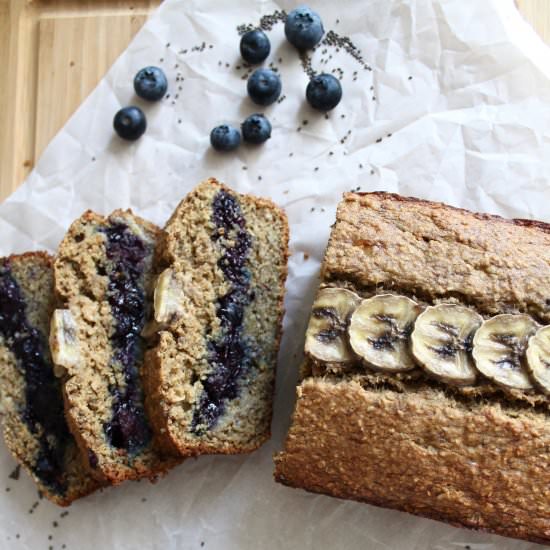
232, 278
105, 415
43, 446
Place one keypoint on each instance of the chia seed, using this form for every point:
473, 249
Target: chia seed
16, 472
378, 140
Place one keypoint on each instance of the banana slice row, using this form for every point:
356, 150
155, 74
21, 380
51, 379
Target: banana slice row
451, 342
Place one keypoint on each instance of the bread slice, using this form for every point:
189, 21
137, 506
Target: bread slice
474, 456
103, 280
31, 397
219, 302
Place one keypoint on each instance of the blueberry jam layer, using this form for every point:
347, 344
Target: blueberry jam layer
42, 410
229, 356
128, 428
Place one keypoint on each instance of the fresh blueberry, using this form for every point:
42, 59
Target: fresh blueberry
324, 92
256, 129
264, 86
130, 123
225, 138
255, 46
303, 28
150, 83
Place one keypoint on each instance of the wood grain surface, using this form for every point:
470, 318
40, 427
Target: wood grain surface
56, 51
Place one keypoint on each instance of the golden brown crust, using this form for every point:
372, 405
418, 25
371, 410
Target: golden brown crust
477, 465
436, 251
473, 458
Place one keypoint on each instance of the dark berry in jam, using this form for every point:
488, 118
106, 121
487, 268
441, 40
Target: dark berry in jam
43, 409
150, 83
128, 429
228, 355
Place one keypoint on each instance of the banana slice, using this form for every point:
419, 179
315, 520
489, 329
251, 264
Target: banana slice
326, 337
379, 332
442, 341
499, 349
63, 340
538, 358
169, 298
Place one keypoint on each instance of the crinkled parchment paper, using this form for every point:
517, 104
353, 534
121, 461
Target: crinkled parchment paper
456, 109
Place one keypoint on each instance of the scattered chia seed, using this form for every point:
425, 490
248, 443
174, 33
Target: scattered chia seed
305, 60
316, 169
374, 98
260, 178
285, 192
322, 209
281, 99
305, 122
161, 60
93, 159
410, 78
280, 59
210, 46
299, 129
378, 140
219, 63
342, 116
202, 544
17, 535
64, 514
326, 116
50, 537
227, 65
306, 256
360, 166
334, 39
55, 524
168, 45
245, 167
291, 154
312, 209
16, 472
372, 172
8, 489
337, 21
63, 546
330, 153
143, 499
267, 22
167, 96
372, 87
179, 120
238, 67
389, 135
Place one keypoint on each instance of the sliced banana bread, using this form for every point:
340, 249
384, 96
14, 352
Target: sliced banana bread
31, 398
103, 279
219, 305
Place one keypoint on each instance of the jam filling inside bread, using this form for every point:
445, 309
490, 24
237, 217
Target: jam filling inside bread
228, 354
128, 428
43, 409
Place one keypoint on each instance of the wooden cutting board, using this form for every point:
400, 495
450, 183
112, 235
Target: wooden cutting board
53, 53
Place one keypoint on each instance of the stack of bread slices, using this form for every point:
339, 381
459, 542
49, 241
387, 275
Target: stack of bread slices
136, 347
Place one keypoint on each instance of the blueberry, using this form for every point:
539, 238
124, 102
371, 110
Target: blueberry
256, 129
225, 138
324, 92
255, 46
264, 86
150, 83
303, 28
130, 123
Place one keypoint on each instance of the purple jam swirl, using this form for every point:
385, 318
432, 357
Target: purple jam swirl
129, 428
43, 408
228, 355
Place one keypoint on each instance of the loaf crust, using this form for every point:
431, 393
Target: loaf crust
473, 465
472, 458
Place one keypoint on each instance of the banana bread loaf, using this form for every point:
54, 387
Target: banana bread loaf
31, 397
426, 376
219, 306
103, 280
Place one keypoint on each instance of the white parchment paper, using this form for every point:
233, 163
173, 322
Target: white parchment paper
456, 109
